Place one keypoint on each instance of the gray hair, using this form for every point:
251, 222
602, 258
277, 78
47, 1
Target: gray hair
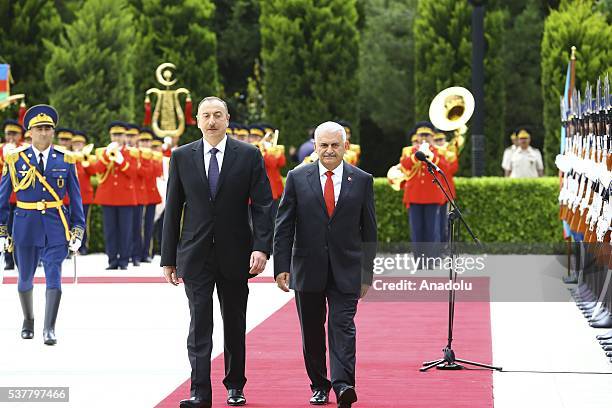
213, 98
330, 127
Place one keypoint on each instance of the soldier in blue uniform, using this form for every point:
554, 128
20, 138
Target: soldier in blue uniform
41, 175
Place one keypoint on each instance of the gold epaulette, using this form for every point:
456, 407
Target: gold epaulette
69, 157
407, 151
13, 156
134, 152
158, 156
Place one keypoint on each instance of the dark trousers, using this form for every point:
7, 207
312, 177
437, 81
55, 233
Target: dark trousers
118, 229
425, 229
443, 222
147, 239
137, 234
85, 246
311, 307
233, 297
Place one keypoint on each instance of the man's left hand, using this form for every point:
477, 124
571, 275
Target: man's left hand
258, 262
364, 290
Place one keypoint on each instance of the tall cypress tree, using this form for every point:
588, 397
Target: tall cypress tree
574, 24
523, 72
24, 24
180, 33
90, 73
386, 75
310, 58
443, 49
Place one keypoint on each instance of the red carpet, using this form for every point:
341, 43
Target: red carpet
393, 340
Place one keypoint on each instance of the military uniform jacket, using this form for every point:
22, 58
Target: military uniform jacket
117, 183
419, 187
44, 226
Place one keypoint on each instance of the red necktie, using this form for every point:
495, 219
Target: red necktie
328, 194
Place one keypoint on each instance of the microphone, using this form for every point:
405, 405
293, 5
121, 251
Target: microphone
421, 157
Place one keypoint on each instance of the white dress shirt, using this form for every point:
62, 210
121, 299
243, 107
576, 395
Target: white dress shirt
221, 147
45, 154
525, 163
336, 179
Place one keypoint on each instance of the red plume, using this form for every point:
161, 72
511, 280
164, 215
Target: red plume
22, 112
147, 115
188, 112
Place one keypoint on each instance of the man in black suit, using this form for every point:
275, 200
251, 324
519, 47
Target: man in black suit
207, 241
324, 248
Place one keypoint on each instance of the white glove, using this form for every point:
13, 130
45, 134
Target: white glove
3, 244
74, 245
112, 146
119, 157
425, 149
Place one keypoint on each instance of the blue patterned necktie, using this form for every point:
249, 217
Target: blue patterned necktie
213, 172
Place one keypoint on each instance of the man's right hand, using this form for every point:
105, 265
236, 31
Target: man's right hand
282, 281
170, 275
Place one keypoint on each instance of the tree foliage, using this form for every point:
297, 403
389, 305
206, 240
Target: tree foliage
443, 49
90, 72
23, 26
386, 62
310, 58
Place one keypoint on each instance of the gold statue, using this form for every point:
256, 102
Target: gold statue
168, 117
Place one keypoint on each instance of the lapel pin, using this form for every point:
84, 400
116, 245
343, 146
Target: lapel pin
54, 155
349, 178
29, 154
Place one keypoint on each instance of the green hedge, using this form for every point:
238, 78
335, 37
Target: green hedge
499, 210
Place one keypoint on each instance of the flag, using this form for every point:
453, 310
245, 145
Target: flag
4, 81
566, 95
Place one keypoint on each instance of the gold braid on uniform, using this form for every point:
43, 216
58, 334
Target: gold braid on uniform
29, 179
77, 233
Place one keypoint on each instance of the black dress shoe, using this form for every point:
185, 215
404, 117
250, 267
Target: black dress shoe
235, 398
112, 267
136, 263
146, 259
319, 397
122, 268
195, 402
347, 397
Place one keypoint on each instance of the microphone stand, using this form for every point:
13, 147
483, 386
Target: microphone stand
449, 361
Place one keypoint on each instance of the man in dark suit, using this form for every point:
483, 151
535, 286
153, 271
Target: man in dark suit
324, 247
207, 241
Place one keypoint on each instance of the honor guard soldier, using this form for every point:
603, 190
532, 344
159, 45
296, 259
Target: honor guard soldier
117, 196
64, 137
422, 197
354, 151
151, 162
132, 133
13, 138
41, 175
85, 165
